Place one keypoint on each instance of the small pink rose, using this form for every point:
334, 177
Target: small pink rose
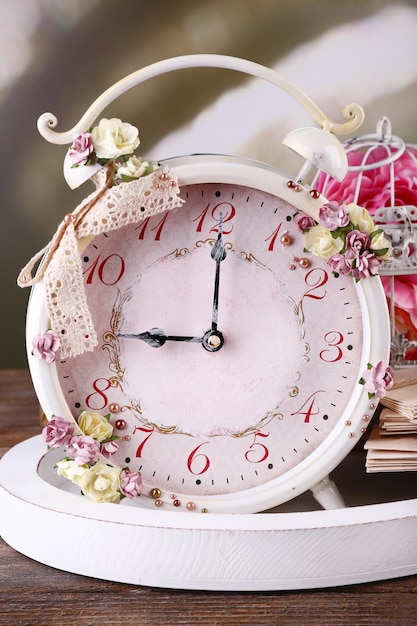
333, 215
303, 221
131, 483
340, 264
365, 265
378, 379
81, 149
58, 432
83, 449
45, 345
109, 448
357, 243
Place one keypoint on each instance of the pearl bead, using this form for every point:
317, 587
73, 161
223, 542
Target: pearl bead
204, 510
291, 184
351, 435
68, 218
291, 266
304, 263
315, 193
164, 176
190, 506
348, 423
158, 503
366, 418
155, 492
120, 424
286, 239
114, 408
177, 502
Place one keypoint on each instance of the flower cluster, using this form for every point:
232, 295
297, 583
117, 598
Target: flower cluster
81, 465
347, 237
110, 140
377, 380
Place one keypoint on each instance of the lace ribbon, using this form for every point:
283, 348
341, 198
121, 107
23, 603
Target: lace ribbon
108, 208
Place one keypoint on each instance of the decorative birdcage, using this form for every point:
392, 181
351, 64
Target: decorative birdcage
382, 176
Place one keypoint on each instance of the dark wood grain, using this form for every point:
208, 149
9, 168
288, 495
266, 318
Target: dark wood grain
33, 594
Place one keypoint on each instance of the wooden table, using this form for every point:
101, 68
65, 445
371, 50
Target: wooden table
36, 595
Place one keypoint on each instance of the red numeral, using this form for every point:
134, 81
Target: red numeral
148, 432
228, 211
109, 271
307, 408
158, 228
198, 459
97, 400
257, 451
333, 339
272, 238
315, 279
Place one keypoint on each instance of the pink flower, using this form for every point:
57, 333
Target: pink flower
333, 215
45, 345
304, 221
340, 264
375, 185
81, 149
357, 243
58, 432
365, 265
109, 448
131, 483
378, 379
83, 449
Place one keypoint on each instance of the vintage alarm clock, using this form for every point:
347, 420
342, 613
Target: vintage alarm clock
206, 313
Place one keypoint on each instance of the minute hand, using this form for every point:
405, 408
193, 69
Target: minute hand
218, 254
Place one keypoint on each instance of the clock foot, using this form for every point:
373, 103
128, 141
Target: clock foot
327, 494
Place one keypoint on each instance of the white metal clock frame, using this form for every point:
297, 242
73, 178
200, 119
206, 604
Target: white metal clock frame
311, 473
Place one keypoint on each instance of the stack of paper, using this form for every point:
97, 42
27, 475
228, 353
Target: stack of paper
392, 446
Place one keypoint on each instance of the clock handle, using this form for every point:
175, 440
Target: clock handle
47, 121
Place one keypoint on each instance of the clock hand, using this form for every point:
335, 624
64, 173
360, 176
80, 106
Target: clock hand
156, 337
218, 254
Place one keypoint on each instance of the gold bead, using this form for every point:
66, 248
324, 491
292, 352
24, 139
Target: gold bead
155, 492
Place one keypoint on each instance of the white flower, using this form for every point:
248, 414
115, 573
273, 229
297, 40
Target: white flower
101, 483
135, 167
95, 425
320, 242
378, 242
71, 470
113, 138
360, 218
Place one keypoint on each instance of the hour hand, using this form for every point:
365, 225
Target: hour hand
156, 337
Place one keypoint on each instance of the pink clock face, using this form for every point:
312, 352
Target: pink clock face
227, 354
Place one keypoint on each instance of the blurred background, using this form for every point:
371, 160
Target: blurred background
60, 55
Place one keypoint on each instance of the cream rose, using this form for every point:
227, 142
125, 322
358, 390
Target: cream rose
70, 470
101, 483
133, 168
360, 218
320, 242
113, 138
95, 425
379, 242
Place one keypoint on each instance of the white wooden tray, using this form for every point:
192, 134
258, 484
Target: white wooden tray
284, 549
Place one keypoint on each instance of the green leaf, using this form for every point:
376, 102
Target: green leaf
376, 232
380, 252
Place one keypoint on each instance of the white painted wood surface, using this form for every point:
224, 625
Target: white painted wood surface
267, 551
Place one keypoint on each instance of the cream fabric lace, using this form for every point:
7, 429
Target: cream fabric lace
108, 208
